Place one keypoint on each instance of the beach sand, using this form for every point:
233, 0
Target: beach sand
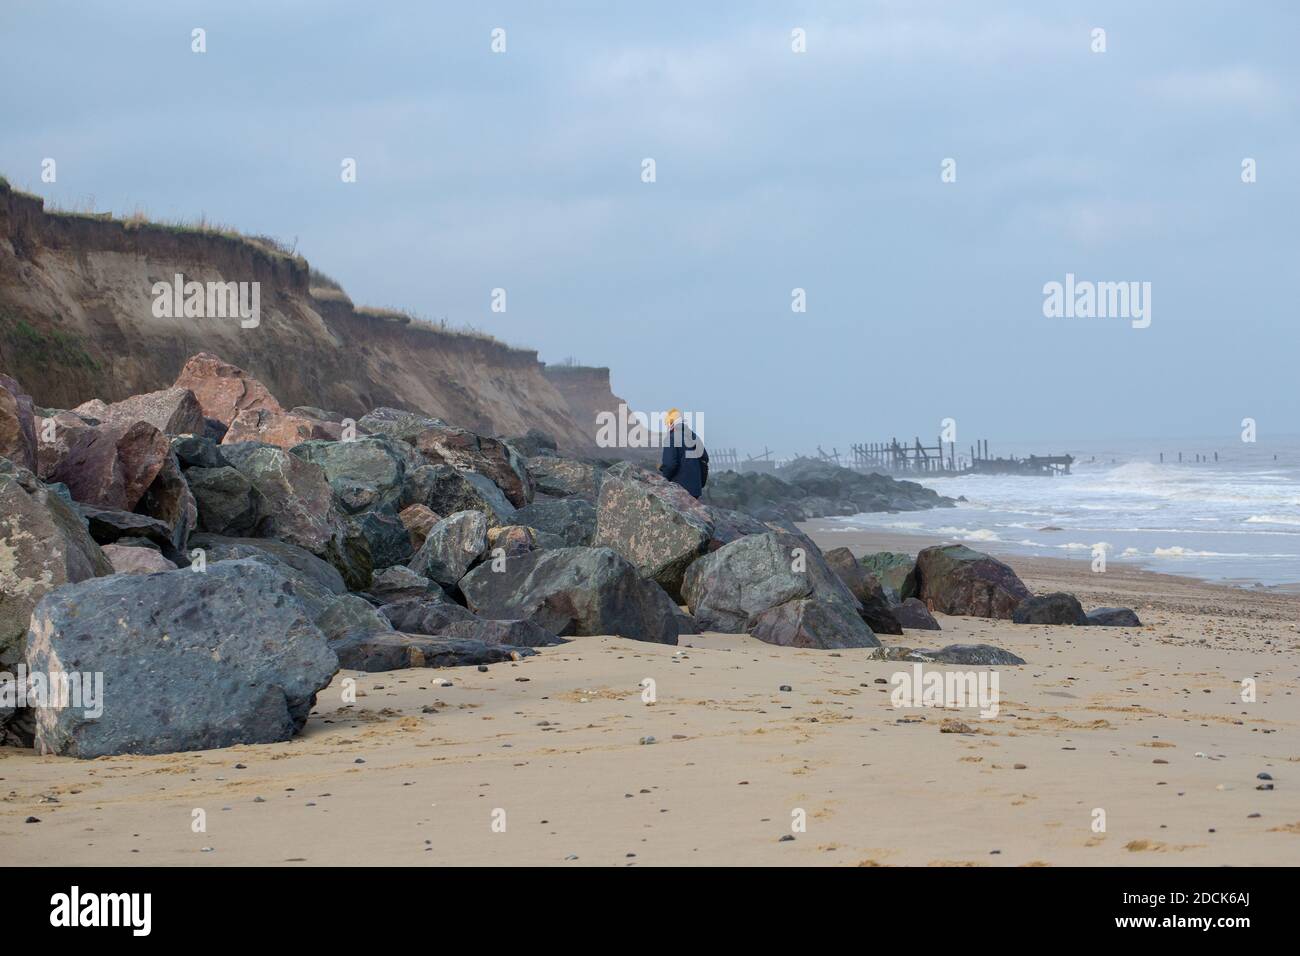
1145, 724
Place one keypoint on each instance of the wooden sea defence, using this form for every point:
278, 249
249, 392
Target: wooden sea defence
898, 458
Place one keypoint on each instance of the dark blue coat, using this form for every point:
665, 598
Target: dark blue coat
685, 460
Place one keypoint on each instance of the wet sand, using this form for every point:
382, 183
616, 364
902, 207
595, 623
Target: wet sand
1146, 724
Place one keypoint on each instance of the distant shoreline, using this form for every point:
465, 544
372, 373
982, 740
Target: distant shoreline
832, 533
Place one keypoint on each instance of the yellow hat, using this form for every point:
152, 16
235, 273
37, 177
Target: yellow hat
671, 416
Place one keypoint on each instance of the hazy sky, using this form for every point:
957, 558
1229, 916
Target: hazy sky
775, 170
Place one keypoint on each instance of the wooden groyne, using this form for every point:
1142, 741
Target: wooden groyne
894, 457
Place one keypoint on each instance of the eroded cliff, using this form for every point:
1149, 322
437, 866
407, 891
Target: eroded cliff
78, 321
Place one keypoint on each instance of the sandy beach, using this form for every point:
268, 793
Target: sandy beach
549, 761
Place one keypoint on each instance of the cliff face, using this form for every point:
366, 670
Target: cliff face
586, 391
77, 321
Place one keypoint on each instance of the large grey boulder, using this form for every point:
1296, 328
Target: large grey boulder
573, 520
43, 544
400, 583
492, 458
313, 582
565, 477
190, 661
975, 655
509, 633
197, 451
350, 617
365, 473
914, 615
971, 655
445, 491
1055, 608
109, 525
955, 579
393, 651
866, 587
1113, 617
452, 547
297, 506
386, 536
227, 501
734, 589
457, 448
728, 526
654, 523
808, 622
425, 615
396, 423
173, 411
891, 568
437, 618
570, 591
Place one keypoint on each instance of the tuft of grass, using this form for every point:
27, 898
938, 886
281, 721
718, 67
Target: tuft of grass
55, 347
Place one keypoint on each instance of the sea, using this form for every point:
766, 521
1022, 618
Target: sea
1235, 520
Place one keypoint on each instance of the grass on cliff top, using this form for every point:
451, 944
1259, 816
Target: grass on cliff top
441, 326
200, 225
321, 285
571, 364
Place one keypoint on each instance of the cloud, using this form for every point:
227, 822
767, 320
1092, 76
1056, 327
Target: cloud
1222, 88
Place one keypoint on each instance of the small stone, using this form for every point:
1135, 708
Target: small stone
483, 668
